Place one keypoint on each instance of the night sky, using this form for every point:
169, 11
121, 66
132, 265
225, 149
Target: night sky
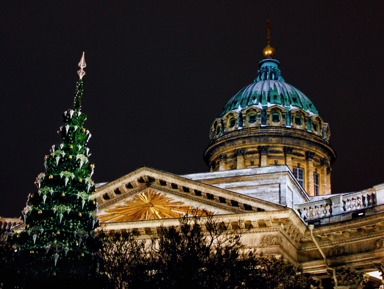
159, 72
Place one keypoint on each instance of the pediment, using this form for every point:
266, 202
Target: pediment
153, 204
152, 194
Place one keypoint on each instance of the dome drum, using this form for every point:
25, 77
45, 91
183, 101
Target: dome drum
274, 116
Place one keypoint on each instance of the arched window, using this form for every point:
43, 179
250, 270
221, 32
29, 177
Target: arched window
232, 122
315, 126
252, 118
298, 120
275, 117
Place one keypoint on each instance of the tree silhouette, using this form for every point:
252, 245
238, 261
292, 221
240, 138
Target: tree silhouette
199, 253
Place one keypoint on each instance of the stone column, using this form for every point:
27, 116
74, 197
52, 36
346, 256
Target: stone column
263, 151
240, 160
288, 157
329, 180
324, 182
310, 184
222, 162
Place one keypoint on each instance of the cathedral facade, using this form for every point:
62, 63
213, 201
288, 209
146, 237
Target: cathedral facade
269, 160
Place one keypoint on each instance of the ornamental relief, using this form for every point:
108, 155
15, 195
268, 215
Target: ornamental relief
270, 240
379, 243
149, 205
336, 251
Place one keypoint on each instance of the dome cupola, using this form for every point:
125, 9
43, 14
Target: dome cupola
270, 122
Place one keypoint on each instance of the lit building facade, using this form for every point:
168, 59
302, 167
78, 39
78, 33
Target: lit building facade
269, 160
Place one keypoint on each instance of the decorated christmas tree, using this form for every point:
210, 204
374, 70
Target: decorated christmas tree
60, 216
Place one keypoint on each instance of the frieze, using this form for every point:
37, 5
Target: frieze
269, 240
275, 152
336, 251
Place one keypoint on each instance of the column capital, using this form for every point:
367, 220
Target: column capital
309, 156
288, 150
324, 162
240, 152
263, 150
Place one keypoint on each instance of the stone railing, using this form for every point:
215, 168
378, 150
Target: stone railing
341, 204
315, 210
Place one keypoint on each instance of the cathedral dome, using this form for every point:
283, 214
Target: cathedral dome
269, 102
268, 89
270, 122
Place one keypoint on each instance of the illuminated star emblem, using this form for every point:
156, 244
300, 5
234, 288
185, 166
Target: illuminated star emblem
149, 205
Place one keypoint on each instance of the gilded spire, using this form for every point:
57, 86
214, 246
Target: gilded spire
82, 65
268, 32
79, 85
269, 51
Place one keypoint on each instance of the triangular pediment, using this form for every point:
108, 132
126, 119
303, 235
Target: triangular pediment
153, 204
152, 194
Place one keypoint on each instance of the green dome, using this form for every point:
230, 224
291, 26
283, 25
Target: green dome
269, 89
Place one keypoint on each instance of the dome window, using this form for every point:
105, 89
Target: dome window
315, 126
232, 122
252, 118
298, 120
218, 130
275, 117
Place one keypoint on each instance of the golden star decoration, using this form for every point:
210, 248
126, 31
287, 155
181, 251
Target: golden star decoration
149, 205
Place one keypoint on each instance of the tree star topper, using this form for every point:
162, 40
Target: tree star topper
82, 65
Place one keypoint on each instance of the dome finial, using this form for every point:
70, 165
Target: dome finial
269, 51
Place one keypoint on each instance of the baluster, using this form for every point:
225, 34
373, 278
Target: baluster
364, 201
373, 199
310, 210
328, 208
348, 205
353, 204
316, 212
358, 203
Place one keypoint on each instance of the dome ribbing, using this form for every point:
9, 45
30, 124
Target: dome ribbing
268, 89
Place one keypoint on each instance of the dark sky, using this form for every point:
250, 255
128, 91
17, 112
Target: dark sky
159, 72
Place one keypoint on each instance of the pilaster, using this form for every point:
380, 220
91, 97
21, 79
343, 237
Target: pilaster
288, 157
222, 162
310, 170
240, 162
263, 151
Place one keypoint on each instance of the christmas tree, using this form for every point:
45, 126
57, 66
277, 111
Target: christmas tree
60, 217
